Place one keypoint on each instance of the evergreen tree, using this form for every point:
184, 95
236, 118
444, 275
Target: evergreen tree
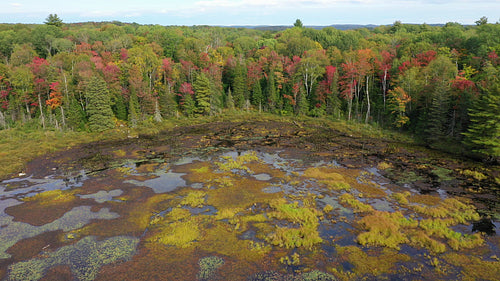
229, 100
189, 105
133, 110
54, 20
98, 108
257, 96
437, 117
239, 87
483, 135
272, 93
203, 93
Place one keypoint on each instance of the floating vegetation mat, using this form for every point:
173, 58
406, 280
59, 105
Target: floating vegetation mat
242, 215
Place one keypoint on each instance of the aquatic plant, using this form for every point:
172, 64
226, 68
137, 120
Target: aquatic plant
180, 233
329, 177
421, 239
456, 240
385, 229
474, 174
208, 267
239, 163
449, 208
472, 267
384, 262
293, 259
194, 199
358, 207
52, 197
85, 258
443, 174
306, 235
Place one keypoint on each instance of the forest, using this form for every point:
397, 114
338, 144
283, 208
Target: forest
439, 84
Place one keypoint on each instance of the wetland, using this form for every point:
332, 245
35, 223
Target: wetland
251, 200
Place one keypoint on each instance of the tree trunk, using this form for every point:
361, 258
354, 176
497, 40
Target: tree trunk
42, 117
367, 100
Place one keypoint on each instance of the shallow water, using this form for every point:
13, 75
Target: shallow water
239, 215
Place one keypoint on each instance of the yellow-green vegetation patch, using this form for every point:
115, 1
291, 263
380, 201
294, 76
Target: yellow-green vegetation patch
52, 197
443, 174
421, 239
229, 163
194, 199
177, 214
358, 206
373, 264
456, 240
244, 193
328, 176
305, 235
474, 268
384, 166
449, 208
179, 233
224, 240
385, 229
474, 174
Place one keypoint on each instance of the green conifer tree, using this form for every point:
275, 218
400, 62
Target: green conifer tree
99, 108
133, 110
483, 135
203, 93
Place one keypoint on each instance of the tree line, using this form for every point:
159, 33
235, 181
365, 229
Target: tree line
439, 83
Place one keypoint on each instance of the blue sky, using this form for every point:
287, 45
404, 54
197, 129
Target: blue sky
251, 12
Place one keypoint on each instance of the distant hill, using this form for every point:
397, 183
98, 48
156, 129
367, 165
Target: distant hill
336, 26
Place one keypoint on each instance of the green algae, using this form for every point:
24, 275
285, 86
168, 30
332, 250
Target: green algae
12, 232
85, 258
208, 267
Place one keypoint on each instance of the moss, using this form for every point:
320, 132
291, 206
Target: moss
443, 174
420, 239
85, 258
221, 239
180, 233
449, 208
358, 207
208, 267
327, 209
305, 235
474, 174
401, 198
372, 264
52, 197
329, 177
474, 268
385, 229
194, 199
177, 214
227, 213
456, 240
293, 259
230, 163
384, 166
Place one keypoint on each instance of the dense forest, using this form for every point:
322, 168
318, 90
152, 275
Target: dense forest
440, 84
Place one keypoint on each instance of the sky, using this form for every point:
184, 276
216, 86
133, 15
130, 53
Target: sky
252, 12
